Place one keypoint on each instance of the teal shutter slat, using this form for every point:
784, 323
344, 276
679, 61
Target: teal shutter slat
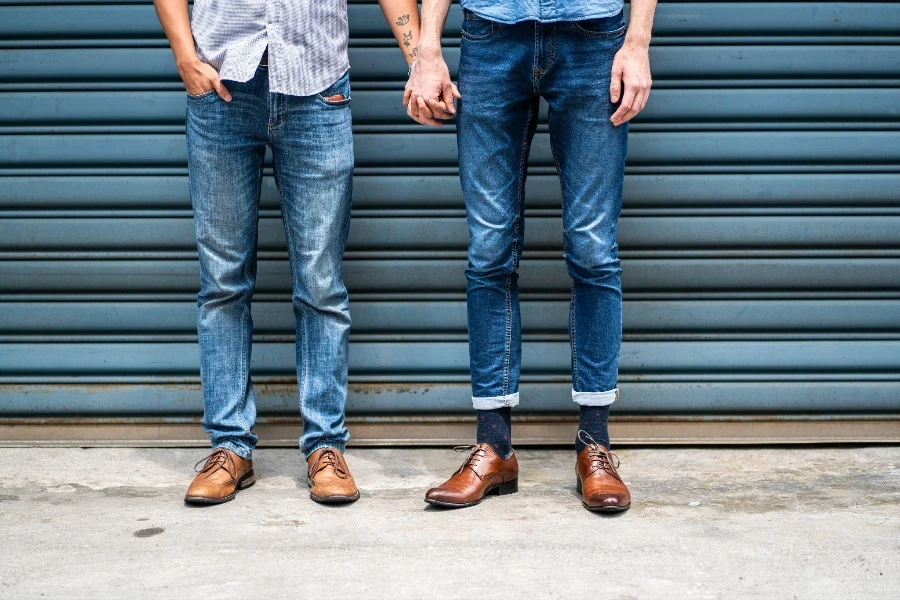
760, 233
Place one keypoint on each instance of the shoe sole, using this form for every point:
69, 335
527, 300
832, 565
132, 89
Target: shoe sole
500, 489
331, 499
334, 499
578, 488
245, 482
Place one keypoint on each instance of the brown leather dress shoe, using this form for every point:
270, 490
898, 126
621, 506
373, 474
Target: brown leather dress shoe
598, 482
222, 475
329, 477
483, 472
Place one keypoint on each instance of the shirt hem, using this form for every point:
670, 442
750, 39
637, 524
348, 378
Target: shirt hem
562, 19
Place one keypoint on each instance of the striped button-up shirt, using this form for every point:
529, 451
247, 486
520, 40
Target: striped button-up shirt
307, 41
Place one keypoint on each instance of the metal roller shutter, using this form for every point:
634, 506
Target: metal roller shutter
759, 236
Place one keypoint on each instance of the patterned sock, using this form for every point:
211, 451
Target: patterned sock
595, 421
495, 428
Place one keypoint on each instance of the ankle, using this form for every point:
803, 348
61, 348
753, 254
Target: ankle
495, 429
594, 422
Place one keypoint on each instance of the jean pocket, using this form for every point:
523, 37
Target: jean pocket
338, 93
608, 27
476, 29
203, 95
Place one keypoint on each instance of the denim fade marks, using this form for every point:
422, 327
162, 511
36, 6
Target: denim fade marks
570, 67
312, 147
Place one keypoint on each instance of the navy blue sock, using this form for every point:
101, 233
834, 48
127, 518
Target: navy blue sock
594, 421
495, 428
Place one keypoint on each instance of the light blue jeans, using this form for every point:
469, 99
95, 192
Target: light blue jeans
504, 70
312, 144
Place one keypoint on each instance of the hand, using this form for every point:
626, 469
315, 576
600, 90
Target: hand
631, 66
199, 77
429, 93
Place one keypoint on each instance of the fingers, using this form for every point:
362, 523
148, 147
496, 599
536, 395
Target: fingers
406, 95
414, 110
424, 111
615, 84
439, 110
625, 106
635, 106
412, 107
640, 102
646, 98
634, 99
447, 96
445, 108
221, 90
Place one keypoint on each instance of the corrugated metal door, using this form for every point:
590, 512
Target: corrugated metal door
759, 236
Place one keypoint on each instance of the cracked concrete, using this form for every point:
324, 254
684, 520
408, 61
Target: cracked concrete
705, 523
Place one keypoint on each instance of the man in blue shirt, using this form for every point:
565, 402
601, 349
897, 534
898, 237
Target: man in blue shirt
593, 70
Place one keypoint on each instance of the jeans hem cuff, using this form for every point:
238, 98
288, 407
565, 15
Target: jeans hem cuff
595, 398
340, 446
245, 453
493, 402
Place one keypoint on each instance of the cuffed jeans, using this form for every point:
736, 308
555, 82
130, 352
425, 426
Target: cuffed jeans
504, 70
312, 145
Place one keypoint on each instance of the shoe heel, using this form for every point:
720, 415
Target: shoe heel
248, 480
508, 487
578, 484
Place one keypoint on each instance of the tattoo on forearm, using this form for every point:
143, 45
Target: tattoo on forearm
406, 38
414, 52
402, 20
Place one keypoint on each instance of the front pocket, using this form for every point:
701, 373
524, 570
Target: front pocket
203, 95
341, 87
476, 29
331, 102
600, 28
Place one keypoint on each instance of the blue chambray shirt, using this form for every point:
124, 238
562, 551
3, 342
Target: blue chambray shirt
545, 11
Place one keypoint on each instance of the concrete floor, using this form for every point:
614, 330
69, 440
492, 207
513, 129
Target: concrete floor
726, 523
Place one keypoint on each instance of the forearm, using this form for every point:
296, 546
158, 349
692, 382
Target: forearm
176, 23
403, 17
434, 14
640, 22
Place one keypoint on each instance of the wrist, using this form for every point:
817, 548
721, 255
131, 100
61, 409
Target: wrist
187, 61
429, 52
637, 40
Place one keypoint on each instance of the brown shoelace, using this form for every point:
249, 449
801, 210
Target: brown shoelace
329, 458
476, 453
219, 459
600, 458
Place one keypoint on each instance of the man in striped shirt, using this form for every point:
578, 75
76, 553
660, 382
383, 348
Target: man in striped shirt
268, 74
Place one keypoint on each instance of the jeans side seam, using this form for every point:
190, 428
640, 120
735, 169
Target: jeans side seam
515, 257
572, 336
245, 375
536, 67
246, 339
568, 271
508, 342
300, 321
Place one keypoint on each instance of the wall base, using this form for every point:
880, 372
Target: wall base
534, 430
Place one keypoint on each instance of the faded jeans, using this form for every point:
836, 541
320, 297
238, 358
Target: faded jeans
312, 145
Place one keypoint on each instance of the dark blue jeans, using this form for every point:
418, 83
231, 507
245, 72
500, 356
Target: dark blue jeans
312, 144
504, 70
